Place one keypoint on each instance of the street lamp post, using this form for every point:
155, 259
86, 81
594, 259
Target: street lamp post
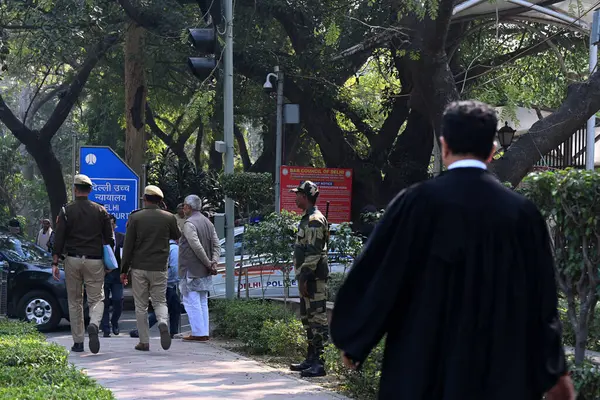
279, 133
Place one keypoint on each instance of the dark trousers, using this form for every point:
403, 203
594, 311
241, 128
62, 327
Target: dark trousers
116, 290
174, 306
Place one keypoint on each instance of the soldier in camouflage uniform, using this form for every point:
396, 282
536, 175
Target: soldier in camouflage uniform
312, 272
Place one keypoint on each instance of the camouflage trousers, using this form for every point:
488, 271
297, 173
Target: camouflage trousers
313, 313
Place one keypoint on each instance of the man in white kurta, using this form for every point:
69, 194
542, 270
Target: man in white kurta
199, 253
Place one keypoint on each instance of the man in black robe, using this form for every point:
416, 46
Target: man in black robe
459, 276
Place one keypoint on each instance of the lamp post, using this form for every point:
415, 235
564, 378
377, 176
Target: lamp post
279, 133
505, 136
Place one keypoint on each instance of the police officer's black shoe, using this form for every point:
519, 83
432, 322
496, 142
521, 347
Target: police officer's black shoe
77, 347
115, 329
315, 370
306, 364
134, 333
106, 334
94, 341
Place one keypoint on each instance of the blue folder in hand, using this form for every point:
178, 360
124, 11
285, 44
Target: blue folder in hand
110, 261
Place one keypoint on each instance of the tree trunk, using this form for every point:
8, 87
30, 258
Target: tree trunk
198, 148
242, 147
581, 336
51, 171
135, 98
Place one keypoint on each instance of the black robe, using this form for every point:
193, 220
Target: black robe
459, 274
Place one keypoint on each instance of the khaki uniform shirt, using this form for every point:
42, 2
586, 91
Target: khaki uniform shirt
147, 238
83, 228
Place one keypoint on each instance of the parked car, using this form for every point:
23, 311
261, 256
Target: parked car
33, 294
264, 279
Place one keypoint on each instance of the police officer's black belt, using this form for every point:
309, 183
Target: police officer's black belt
88, 257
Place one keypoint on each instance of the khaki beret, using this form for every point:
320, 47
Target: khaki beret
152, 190
81, 179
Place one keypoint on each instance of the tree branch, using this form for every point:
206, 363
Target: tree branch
47, 98
64, 106
159, 133
18, 129
582, 101
488, 66
373, 42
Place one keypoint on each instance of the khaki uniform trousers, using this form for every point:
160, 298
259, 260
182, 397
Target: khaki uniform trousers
146, 285
80, 272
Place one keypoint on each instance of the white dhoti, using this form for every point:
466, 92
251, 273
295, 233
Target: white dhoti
195, 300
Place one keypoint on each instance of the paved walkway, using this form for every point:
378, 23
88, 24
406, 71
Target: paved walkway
187, 371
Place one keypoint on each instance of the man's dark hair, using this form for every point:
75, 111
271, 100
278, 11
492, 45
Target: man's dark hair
83, 188
152, 199
469, 127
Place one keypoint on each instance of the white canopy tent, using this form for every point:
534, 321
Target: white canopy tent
577, 15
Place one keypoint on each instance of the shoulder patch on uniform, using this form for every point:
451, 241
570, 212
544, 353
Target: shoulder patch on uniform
134, 211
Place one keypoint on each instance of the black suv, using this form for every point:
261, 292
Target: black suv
33, 294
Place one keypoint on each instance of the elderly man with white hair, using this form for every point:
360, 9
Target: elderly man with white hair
199, 253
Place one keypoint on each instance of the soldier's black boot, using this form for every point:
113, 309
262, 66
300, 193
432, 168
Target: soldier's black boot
316, 369
307, 363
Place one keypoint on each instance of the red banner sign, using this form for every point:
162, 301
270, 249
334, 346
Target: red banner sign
335, 187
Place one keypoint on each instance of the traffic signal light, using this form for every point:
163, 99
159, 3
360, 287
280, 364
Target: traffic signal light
205, 41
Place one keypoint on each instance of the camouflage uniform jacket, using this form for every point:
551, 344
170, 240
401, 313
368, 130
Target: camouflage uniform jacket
310, 250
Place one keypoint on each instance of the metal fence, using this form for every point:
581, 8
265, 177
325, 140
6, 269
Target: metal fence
570, 153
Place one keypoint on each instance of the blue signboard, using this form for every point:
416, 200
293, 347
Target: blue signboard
115, 185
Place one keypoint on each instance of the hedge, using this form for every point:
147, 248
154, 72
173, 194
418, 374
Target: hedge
33, 369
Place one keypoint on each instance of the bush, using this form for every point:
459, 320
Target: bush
244, 320
284, 337
586, 378
32, 392
333, 284
363, 384
33, 369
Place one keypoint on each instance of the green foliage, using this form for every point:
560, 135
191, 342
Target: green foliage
569, 339
178, 180
33, 369
586, 379
570, 202
258, 324
363, 384
284, 337
336, 279
273, 240
372, 217
252, 191
346, 244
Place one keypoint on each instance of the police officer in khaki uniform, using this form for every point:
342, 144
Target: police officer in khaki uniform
146, 255
312, 272
82, 228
